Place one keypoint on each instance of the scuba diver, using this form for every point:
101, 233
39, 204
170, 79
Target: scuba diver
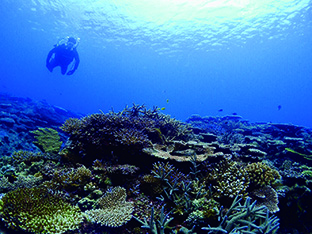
64, 53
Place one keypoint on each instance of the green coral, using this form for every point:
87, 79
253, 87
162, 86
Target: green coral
307, 173
39, 211
48, 140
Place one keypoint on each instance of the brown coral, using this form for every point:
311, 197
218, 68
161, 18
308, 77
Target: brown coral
71, 179
180, 151
260, 174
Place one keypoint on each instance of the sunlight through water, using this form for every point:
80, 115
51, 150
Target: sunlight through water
168, 25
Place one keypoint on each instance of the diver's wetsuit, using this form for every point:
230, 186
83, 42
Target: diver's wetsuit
63, 57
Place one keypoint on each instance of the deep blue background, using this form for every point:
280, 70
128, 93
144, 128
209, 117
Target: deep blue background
251, 79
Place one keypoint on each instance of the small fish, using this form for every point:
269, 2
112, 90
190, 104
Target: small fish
234, 113
279, 107
167, 100
163, 108
220, 110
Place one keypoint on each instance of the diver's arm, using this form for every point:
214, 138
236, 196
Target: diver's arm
50, 55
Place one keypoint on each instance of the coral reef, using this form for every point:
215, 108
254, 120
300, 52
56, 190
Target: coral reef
173, 177
38, 211
179, 151
128, 131
156, 226
29, 157
21, 181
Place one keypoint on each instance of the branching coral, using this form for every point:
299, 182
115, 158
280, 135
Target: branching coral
37, 210
124, 169
114, 210
156, 225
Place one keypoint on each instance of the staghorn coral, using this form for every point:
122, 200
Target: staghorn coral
156, 225
151, 185
38, 211
114, 210
166, 172
48, 140
142, 207
261, 175
245, 218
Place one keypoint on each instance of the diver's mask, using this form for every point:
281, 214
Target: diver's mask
72, 43
69, 42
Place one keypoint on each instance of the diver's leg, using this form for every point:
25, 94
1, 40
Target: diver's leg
63, 69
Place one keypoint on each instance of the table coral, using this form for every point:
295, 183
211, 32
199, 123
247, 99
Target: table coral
114, 210
267, 197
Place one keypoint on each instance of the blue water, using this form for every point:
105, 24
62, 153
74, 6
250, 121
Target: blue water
192, 57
